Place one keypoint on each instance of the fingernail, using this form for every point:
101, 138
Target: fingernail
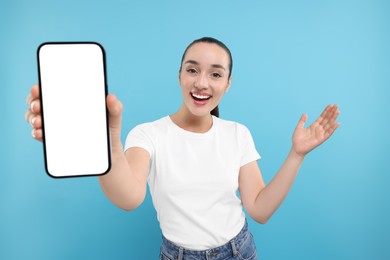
32, 106
33, 133
33, 120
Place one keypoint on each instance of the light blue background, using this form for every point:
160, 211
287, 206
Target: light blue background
290, 57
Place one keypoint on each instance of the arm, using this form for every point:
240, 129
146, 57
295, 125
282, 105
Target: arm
125, 183
262, 201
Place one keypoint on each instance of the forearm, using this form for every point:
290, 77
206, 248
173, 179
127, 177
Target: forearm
120, 184
269, 198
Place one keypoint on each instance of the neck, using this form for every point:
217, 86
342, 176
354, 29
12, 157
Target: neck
189, 122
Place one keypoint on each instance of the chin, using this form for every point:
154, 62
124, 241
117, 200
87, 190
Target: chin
199, 112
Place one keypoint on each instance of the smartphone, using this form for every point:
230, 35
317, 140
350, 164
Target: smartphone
73, 91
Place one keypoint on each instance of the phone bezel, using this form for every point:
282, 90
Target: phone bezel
106, 110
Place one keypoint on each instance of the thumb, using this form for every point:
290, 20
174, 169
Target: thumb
115, 109
302, 121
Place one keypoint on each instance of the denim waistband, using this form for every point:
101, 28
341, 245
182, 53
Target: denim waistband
229, 249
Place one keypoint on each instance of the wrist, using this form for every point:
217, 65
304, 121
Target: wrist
296, 156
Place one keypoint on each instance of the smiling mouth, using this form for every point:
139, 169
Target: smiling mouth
200, 97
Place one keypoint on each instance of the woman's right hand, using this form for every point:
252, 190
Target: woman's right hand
125, 184
33, 116
33, 113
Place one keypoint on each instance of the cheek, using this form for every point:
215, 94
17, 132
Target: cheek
185, 89
218, 98
220, 91
185, 82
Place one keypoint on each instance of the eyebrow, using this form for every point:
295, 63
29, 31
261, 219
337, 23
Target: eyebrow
212, 65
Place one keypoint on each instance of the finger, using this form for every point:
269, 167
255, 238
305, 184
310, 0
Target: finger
35, 91
37, 134
332, 113
327, 127
29, 99
27, 115
323, 115
35, 106
36, 122
334, 116
331, 130
302, 121
115, 108
34, 94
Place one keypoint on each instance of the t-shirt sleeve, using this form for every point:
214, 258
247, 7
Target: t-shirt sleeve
140, 136
248, 149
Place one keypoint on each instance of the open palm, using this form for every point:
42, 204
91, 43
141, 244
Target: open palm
306, 139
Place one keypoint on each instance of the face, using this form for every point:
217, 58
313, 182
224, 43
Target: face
204, 77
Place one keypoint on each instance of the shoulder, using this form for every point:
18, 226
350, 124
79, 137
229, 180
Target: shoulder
150, 130
145, 134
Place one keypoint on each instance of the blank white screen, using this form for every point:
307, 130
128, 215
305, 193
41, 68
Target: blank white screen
73, 96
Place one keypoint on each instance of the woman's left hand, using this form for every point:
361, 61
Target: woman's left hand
306, 139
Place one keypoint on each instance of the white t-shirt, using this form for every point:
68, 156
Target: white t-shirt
193, 179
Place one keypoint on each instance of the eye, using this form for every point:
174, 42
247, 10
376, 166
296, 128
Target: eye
216, 75
191, 70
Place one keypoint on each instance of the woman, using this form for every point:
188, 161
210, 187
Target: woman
194, 163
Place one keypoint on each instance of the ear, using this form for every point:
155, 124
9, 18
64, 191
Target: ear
228, 84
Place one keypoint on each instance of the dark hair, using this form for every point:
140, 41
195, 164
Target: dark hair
215, 111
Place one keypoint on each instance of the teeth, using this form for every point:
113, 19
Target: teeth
200, 96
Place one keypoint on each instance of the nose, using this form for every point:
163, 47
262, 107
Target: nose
201, 81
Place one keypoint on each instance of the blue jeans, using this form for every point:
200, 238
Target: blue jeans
241, 247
